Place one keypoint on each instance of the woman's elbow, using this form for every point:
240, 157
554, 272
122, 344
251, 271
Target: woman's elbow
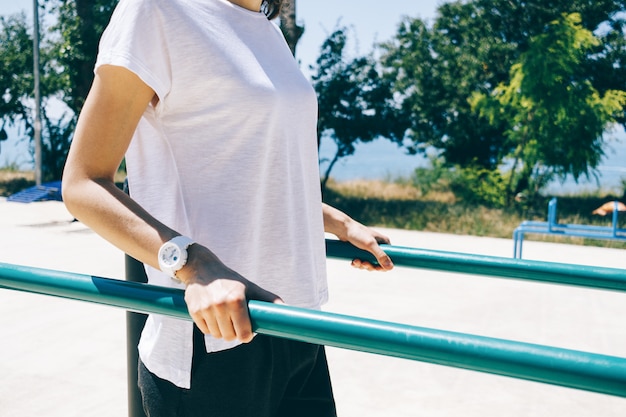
71, 191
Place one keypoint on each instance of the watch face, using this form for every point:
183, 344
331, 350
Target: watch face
170, 255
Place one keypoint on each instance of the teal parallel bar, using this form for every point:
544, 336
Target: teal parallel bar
568, 368
551, 272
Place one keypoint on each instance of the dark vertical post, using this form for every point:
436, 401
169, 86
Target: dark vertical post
135, 272
615, 217
288, 24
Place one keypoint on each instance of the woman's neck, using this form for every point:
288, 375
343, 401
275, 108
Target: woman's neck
253, 5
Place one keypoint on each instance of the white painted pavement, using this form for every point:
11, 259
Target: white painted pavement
67, 358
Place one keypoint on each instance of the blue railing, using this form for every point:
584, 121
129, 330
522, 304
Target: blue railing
569, 368
553, 227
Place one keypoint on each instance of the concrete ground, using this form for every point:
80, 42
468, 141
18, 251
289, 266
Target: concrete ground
67, 358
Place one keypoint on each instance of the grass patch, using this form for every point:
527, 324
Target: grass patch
404, 206
13, 181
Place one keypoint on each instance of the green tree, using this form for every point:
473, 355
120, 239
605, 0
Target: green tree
435, 69
79, 26
16, 67
470, 49
15, 48
56, 139
17, 82
553, 114
16, 70
355, 101
68, 51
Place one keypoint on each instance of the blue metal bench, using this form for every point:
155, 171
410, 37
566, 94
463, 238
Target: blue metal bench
553, 227
44, 192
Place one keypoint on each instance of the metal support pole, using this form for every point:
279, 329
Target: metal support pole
568, 368
615, 218
37, 92
135, 272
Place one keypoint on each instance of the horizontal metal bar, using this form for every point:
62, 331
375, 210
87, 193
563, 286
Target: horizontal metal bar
568, 229
551, 272
539, 227
568, 368
591, 234
534, 223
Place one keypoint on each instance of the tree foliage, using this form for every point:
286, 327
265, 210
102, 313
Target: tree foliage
553, 114
67, 54
16, 69
17, 83
355, 101
473, 48
79, 25
16, 59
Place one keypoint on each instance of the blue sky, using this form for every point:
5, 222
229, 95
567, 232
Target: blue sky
370, 21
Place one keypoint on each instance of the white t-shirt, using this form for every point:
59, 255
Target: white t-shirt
227, 157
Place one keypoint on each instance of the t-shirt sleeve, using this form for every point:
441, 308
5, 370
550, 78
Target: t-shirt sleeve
135, 39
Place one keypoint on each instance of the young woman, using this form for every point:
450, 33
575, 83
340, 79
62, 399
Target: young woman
218, 126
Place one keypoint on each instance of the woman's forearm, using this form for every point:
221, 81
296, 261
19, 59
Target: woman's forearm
112, 214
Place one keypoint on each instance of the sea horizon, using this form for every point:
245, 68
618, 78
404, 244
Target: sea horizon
383, 160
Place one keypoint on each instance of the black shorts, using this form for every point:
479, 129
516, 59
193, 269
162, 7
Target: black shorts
268, 377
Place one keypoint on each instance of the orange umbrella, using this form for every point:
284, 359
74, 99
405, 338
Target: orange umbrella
608, 207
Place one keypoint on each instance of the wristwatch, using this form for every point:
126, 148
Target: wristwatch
173, 255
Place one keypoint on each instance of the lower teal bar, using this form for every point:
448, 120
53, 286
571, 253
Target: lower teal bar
550, 272
568, 368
